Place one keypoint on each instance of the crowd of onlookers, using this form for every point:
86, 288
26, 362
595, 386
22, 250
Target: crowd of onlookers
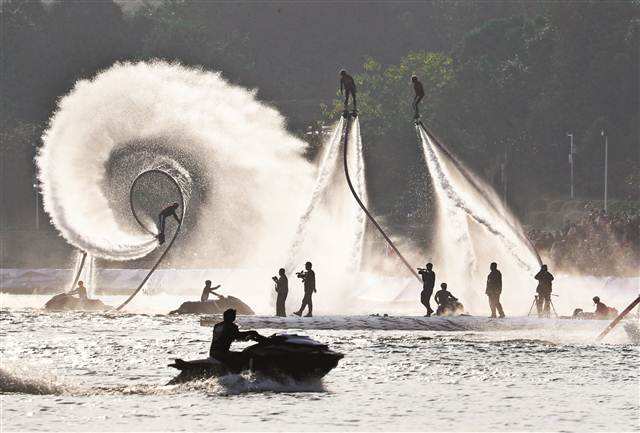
596, 244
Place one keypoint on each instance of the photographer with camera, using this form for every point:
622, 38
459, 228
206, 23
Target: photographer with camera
282, 289
308, 278
428, 282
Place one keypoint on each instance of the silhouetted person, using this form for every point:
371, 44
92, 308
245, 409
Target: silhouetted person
446, 301
282, 289
225, 333
309, 280
419, 94
347, 87
602, 311
164, 214
81, 291
208, 290
428, 282
494, 289
543, 300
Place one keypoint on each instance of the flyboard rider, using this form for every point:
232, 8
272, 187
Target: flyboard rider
169, 211
419, 94
347, 87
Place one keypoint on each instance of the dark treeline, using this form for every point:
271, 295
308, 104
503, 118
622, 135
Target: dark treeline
502, 78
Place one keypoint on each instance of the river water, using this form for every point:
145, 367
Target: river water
106, 372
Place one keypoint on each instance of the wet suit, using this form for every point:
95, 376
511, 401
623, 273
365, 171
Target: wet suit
225, 333
282, 289
164, 214
309, 280
348, 87
493, 291
544, 292
604, 312
428, 281
419, 94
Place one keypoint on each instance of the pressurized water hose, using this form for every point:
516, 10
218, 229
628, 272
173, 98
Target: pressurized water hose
77, 277
364, 208
175, 234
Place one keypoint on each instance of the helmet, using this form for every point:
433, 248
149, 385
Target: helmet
429, 265
544, 267
229, 315
342, 72
208, 282
308, 265
414, 78
596, 299
443, 285
494, 265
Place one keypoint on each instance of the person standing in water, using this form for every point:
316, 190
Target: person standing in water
308, 278
494, 289
419, 94
81, 291
544, 289
169, 211
428, 282
208, 290
282, 289
347, 87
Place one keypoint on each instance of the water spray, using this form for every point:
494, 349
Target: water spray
361, 204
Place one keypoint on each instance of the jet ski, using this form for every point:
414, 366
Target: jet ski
66, 302
453, 308
280, 356
214, 306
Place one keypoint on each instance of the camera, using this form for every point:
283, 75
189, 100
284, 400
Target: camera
301, 274
275, 279
422, 269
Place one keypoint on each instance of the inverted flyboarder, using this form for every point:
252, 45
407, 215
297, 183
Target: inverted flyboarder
347, 87
164, 214
419, 94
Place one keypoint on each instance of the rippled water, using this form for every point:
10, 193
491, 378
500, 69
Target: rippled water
106, 372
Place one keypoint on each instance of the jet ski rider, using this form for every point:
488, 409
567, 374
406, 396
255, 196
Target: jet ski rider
225, 333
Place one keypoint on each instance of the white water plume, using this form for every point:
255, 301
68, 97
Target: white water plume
330, 232
474, 229
241, 172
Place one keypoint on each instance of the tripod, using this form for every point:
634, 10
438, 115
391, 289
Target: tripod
536, 302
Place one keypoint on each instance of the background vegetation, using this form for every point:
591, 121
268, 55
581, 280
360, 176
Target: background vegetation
505, 82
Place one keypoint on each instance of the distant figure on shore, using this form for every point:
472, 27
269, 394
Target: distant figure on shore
544, 289
419, 94
282, 289
494, 289
208, 290
164, 214
81, 291
428, 282
308, 278
347, 87
447, 303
